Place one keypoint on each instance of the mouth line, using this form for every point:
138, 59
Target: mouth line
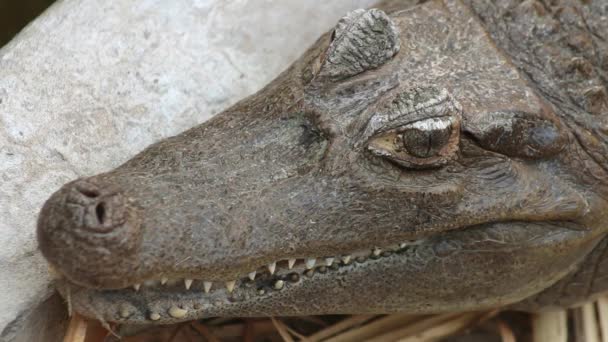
265, 281
272, 276
171, 300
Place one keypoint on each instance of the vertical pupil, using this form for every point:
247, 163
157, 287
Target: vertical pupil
425, 143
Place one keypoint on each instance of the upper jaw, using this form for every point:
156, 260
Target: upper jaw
202, 274
207, 255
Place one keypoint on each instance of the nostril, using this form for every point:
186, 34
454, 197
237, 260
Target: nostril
86, 190
100, 212
91, 206
89, 193
88, 228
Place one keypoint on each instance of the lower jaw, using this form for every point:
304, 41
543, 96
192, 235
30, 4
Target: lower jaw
427, 277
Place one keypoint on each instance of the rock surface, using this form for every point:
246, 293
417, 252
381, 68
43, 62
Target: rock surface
91, 82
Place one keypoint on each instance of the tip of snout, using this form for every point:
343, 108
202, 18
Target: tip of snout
88, 231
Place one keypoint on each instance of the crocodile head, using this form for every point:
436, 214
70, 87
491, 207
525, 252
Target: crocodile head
402, 164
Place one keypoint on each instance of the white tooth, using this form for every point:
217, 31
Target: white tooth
176, 312
329, 261
164, 280
310, 263
346, 259
377, 251
154, 316
230, 285
279, 284
272, 267
402, 245
136, 287
188, 283
207, 286
252, 275
290, 263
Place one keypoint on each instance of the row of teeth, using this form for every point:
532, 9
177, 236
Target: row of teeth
309, 264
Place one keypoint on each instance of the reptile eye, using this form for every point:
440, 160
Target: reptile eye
421, 142
426, 143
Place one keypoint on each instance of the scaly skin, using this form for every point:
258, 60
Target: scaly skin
445, 156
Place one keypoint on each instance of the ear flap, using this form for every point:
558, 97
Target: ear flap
362, 40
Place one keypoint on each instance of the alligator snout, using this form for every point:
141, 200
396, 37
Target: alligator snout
89, 228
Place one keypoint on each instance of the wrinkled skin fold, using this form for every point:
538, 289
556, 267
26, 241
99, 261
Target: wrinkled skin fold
418, 158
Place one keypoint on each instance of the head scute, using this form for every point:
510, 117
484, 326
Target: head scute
362, 40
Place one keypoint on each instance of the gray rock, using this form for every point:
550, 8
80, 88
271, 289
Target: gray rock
91, 82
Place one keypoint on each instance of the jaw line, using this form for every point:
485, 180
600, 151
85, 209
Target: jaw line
264, 276
264, 286
173, 303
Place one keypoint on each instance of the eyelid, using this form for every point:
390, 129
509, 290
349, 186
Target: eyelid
432, 124
399, 111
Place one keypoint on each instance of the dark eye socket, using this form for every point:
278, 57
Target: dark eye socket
426, 143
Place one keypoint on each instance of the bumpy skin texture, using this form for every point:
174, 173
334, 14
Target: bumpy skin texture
456, 150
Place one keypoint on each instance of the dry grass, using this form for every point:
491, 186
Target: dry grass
587, 323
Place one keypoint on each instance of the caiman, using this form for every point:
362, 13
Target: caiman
421, 157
